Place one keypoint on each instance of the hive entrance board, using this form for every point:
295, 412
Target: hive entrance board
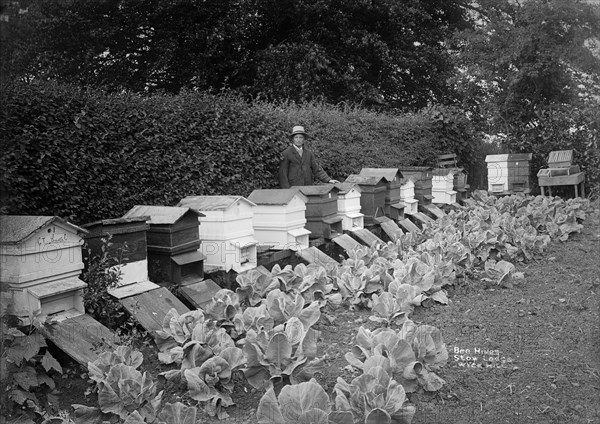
80, 337
391, 229
409, 226
366, 237
432, 210
420, 218
149, 308
346, 242
199, 294
312, 255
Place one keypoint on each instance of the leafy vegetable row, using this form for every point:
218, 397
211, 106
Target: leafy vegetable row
264, 329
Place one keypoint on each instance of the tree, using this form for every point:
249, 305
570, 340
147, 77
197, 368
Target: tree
519, 57
383, 52
378, 53
526, 71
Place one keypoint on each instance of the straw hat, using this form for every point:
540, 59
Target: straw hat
298, 130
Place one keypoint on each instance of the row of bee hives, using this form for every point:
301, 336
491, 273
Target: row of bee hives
43, 256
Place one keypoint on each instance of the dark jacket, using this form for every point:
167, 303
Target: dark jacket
296, 170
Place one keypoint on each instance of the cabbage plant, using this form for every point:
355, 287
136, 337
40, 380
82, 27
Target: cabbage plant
374, 395
415, 272
312, 282
123, 391
407, 296
501, 273
387, 309
223, 307
412, 353
177, 413
284, 358
303, 403
361, 256
255, 285
355, 288
212, 381
282, 307
189, 339
252, 321
98, 370
176, 328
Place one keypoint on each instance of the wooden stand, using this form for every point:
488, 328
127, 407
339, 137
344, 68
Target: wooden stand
421, 219
561, 172
575, 180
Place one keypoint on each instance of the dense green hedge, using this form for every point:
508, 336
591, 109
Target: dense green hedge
85, 155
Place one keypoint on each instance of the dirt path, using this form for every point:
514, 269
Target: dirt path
547, 331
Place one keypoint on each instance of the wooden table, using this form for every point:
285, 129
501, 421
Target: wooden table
574, 180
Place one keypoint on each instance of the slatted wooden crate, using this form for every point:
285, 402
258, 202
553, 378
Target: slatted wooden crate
559, 163
447, 161
41, 260
560, 158
279, 218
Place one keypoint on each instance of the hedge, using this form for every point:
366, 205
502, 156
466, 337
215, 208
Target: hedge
85, 155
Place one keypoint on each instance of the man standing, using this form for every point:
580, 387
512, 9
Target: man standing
298, 165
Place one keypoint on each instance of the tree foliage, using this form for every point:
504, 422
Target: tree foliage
518, 57
383, 52
529, 71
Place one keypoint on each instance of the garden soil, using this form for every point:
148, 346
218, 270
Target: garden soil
526, 354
